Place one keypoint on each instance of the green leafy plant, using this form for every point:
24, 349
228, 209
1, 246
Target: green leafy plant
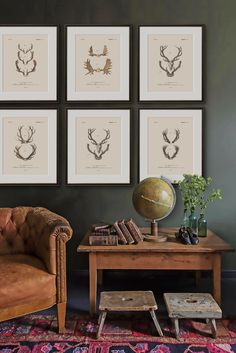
191, 189
208, 196
194, 190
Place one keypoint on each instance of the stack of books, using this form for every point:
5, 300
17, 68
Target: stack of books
101, 234
128, 232
123, 232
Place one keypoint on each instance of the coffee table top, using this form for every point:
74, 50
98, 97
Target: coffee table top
210, 244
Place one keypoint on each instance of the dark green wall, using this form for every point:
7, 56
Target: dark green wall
84, 205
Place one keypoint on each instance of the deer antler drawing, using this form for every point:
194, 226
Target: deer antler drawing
29, 157
106, 69
98, 152
26, 140
171, 150
88, 67
104, 52
25, 63
30, 133
166, 138
170, 69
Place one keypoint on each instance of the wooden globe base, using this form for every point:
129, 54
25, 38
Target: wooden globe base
154, 236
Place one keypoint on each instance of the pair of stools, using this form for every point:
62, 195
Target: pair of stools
179, 306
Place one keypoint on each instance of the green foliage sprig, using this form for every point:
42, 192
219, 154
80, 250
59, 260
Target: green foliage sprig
194, 190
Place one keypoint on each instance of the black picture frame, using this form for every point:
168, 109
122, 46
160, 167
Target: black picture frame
56, 183
130, 145
57, 83
203, 79
110, 101
201, 137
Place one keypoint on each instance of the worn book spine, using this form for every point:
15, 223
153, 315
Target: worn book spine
134, 230
121, 237
126, 232
103, 240
106, 231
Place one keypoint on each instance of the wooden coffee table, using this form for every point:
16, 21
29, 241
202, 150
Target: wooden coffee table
170, 255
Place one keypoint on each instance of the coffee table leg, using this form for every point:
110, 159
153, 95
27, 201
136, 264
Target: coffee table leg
176, 324
156, 323
101, 321
92, 282
217, 278
213, 328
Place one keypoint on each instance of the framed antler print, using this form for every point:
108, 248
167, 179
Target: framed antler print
170, 143
98, 146
28, 149
28, 63
170, 63
98, 63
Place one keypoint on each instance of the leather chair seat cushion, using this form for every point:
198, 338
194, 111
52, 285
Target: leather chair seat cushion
24, 279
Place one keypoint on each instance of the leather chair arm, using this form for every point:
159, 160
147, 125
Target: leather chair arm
47, 230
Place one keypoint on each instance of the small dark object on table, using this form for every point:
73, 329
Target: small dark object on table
186, 236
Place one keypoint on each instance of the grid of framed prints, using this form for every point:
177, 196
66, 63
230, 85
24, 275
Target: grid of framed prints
98, 65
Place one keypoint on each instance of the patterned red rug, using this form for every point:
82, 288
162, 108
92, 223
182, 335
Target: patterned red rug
38, 334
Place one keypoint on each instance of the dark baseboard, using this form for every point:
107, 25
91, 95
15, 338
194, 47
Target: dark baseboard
225, 274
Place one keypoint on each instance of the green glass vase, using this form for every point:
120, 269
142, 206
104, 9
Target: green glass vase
185, 220
202, 226
193, 221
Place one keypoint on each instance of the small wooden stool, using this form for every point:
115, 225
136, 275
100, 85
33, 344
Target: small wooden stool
192, 306
127, 301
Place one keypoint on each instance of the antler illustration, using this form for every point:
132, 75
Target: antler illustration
170, 151
30, 133
170, 69
98, 152
88, 67
25, 63
29, 157
166, 138
107, 67
104, 52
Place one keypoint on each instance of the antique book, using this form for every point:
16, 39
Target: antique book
121, 237
134, 230
101, 232
99, 226
103, 240
126, 232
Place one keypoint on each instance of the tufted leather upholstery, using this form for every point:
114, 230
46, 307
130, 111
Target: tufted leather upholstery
32, 260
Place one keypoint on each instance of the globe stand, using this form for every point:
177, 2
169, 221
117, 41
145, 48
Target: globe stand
154, 236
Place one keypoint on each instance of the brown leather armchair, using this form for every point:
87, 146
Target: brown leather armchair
32, 262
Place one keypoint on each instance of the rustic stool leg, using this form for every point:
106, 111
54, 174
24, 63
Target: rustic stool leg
156, 323
101, 321
176, 324
213, 328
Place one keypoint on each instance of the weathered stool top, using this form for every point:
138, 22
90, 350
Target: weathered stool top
127, 301
192, 305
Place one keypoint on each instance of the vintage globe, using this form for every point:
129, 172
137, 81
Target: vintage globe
154, 198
